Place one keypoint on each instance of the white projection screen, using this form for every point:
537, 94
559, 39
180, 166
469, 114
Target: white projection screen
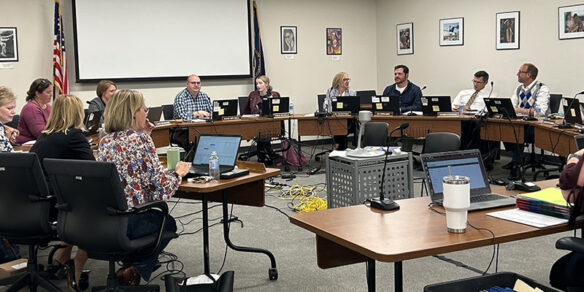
153, 39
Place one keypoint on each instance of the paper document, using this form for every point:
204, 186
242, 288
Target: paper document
338, 153
528, 218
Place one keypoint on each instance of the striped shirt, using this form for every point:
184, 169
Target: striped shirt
185, 103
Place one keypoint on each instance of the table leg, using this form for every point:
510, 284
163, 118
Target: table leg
370, 266
398, 276
273, 271
206, 235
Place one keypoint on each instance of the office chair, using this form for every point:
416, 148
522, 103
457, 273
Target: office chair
438, 142
14, 122
93, 215
24, 214
555, 101
375, 134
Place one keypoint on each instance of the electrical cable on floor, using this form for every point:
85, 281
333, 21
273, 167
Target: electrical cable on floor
277, 209
173, 266
307, 196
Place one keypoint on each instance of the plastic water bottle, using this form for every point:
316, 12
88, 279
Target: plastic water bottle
291, 108
461, 110
538, 114
214, 166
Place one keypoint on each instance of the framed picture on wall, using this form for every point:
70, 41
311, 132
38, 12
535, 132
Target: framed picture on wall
571, 22
452, 31
334, 41
288, 40
507, 31
405, 38
8, 44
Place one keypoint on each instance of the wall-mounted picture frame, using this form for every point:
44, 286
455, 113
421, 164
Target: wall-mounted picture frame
8, 44
288, 40
452, 31
571, 22
405, 38
334, 41
507, 30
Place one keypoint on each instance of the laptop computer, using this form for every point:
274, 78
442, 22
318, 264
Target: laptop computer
432, 105
467, 163
224, 108
346, 105
93, 123
226, 147
154, 114
572, 112
502, 107
275, 106
385, 105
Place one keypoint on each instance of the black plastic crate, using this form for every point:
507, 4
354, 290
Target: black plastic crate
503, 279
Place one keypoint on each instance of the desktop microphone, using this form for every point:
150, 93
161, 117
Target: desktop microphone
563, 125
382, 203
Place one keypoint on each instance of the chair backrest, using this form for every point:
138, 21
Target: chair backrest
320, 98
441, 142
14, 122
241, 102
24, 207
375, 134
168, 111
555, 102
89, 196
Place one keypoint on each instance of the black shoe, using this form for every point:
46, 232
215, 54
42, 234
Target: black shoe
508, 165
514, 174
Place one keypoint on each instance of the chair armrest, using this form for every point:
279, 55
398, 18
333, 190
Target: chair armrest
571, 243
151, 205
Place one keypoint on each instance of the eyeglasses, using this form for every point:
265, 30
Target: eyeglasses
195, 83
346, 79
475, 81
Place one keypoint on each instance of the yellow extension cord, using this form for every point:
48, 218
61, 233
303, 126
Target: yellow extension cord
308, 197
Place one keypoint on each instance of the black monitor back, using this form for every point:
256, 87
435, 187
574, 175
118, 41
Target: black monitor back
224, 108
365, 96
346, 104
275, 105
385, 105
432, 105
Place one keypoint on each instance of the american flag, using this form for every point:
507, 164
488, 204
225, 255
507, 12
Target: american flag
59, 59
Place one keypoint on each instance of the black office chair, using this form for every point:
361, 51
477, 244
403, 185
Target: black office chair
14, 122
93, 215
168, 112
24, 214
575, 245
375, 134
555, 100
438, 142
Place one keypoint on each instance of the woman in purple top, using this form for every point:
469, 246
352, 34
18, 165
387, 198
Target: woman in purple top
35, 113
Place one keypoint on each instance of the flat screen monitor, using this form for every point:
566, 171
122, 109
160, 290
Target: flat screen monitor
500, 107
384, 105
275, 106
432, 105
346, 104
224, 108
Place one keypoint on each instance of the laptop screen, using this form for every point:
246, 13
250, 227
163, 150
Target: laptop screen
467, 163
226, 147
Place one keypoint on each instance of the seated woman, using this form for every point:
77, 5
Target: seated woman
7, 111
567, 271
35, 114
340, 87
105, 90
63, 139
253, 105
129, 146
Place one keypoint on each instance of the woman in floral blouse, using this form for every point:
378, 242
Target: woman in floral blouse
129, 146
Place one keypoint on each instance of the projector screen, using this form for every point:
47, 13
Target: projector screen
153, 39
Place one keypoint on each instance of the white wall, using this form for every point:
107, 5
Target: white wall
446, 70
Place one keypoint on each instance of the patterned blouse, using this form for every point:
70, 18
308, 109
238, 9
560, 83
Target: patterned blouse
143, 177
5, 145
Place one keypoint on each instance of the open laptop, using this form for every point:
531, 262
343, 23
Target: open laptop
502, 107
385, 105
432, 105
572, 112
467, 163
154, 114
346, 105
226, 147
275, 106
224, 109
93, 123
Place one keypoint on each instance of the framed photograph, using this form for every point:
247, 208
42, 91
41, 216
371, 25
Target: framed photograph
334, 41
507, 31
452, 31
571, 22
405, 38
8, 44
288, 40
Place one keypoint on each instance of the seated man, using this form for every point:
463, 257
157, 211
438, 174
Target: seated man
410, 95
191, 102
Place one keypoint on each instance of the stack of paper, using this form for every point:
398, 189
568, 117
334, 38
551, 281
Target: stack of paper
547, 201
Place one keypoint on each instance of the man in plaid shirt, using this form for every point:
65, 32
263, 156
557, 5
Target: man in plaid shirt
191, 102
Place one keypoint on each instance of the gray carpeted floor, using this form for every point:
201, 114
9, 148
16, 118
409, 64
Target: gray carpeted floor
294, 249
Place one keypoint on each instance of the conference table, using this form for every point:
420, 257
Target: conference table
248, 190
359, 233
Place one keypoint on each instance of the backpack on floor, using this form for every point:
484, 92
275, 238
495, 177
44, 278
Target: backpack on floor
290, 153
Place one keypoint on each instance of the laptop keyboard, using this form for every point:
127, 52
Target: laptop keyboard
484, 198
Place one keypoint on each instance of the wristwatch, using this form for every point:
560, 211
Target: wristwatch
574, 155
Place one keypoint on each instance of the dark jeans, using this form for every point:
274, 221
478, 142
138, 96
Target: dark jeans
567, 271
143, 224
352, 127
517, 149
470, 138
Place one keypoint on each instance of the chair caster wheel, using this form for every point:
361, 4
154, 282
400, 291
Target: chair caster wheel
316, 158
273, 274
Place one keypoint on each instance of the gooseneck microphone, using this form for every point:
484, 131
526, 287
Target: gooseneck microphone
563, 125
382, 203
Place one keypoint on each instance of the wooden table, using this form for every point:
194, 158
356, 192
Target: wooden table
360, 234
329, 126
245, 190
420, 126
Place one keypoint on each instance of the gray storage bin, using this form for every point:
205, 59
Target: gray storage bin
502, 279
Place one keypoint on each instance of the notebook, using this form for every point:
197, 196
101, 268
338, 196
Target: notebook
468, 163
385, 105
572, 112
432, 105
346, 105
224, 108
226, 147
154, 114
275, 106
501, 107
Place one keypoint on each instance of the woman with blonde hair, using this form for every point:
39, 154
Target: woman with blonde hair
129, 146
340, 87
63, 138
7, 111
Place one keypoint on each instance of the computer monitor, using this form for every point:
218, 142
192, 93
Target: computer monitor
365, 96
345, 104
432, 105
500, 107
385, 105
572, 112
272, 106
224, 108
